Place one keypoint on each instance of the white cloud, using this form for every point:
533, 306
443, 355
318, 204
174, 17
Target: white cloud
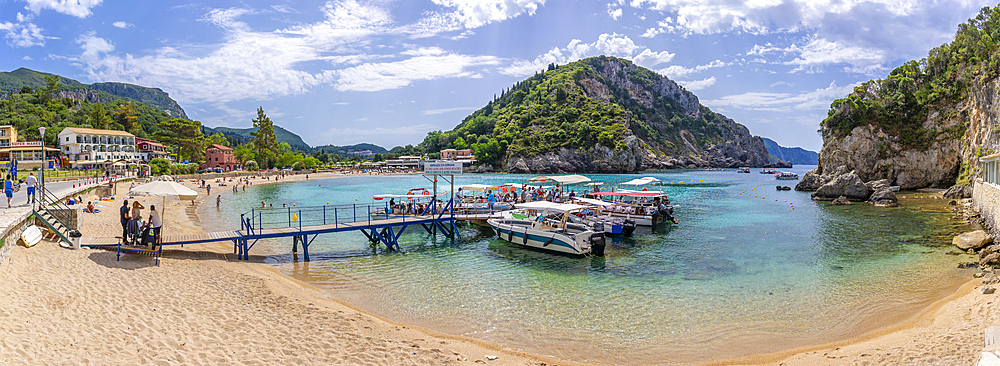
468, 14
677, 71
77, 8
698, 84
447, 110
122, 25
394, 75
23, 33
27, 58
818, 99
607, 44
615, 14
252, 64
860, 33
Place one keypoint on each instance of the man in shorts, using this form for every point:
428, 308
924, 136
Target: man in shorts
31, 182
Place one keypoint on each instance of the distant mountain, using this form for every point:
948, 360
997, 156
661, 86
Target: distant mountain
244, 135
794, 155
343, 150
12, 82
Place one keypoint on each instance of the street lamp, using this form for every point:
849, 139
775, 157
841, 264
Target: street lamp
41, 175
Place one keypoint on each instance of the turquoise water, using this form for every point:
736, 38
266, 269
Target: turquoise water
741, 274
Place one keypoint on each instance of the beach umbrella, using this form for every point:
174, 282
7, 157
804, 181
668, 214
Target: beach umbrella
164, 189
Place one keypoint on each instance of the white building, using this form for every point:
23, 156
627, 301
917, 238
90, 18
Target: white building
93, 145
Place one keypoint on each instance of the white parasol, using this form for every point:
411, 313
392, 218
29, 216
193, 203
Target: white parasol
164, 189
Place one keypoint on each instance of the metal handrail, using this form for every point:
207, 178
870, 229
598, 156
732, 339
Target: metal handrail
50, 199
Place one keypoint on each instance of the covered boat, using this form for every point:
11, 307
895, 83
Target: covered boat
551, 229
646, 208
786, 176
414, 202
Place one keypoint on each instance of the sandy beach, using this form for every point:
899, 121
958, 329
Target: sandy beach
202, 307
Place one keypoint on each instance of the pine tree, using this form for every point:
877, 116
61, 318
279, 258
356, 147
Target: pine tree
264, 141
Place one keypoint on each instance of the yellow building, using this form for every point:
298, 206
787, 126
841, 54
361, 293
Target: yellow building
27, 153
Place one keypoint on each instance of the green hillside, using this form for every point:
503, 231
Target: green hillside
597, 101
242, 135
794, 155
14, 81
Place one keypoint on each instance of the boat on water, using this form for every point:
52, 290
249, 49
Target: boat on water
416, 201
598, 217
642, 207
786, 176
551, 229
743, 169
768, 171
477, 202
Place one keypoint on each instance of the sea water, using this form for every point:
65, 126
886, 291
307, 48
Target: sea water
748, 270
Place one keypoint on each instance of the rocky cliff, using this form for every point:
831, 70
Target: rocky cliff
601, 114
874, 154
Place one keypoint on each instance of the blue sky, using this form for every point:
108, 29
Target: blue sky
387, 72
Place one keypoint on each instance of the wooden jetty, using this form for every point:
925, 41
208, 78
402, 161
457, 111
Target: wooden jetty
303, 225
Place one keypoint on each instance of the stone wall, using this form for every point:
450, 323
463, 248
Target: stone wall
986, 200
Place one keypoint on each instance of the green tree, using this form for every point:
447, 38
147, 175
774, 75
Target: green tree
184, 133
245, 152
125, 118
99, 118
218, 138
264, 140
49, 91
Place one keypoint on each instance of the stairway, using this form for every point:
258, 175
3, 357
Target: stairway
51, 219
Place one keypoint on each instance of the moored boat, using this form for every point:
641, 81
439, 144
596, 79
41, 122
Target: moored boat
786, 176
551, 230
645, 208
743, 169
767, 171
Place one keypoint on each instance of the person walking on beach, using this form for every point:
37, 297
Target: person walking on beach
8, 189
123, 215
218, 200
209, 188
31, 182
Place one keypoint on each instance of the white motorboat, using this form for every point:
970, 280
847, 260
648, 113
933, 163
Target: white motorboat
551, 230
640, 206
597, 217
786, 176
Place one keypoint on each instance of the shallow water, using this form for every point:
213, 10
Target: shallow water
748, 270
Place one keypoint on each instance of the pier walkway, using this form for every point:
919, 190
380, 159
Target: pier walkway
304, 224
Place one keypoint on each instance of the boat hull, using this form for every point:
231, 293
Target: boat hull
520, 233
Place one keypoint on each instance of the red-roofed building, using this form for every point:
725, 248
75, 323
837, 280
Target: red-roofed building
149, 149
218, 156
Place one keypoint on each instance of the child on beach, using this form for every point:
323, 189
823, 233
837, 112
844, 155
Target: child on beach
218, 200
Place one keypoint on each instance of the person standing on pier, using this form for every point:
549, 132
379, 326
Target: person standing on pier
123, 214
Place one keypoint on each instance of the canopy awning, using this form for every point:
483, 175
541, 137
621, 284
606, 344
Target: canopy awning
483, 187
550, 206
561, 179
628, 194
641, 181
164, 188
592, 201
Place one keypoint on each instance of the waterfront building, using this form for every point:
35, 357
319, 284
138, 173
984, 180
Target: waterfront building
219, 156
404, 162
452, 154
28, 154
84, 146
149, 149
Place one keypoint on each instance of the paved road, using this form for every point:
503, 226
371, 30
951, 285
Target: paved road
59, 188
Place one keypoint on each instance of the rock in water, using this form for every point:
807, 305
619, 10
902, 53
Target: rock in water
958, 191
841, 201
849, 185
811, 181
884, 197
972, 240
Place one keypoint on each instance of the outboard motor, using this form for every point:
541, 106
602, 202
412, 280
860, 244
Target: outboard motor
597, 244
598, 226
628, 226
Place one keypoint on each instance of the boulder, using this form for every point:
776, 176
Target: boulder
989, 249
848, 185
972, 240
811, 181
958, 191
841, 201
990, 259
884, 197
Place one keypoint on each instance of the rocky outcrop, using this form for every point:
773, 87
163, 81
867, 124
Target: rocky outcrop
842, 200
884, 197
848, 185
959, 191
972, 240
599, 159
816, 178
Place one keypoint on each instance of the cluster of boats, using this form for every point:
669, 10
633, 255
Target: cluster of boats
546, 217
